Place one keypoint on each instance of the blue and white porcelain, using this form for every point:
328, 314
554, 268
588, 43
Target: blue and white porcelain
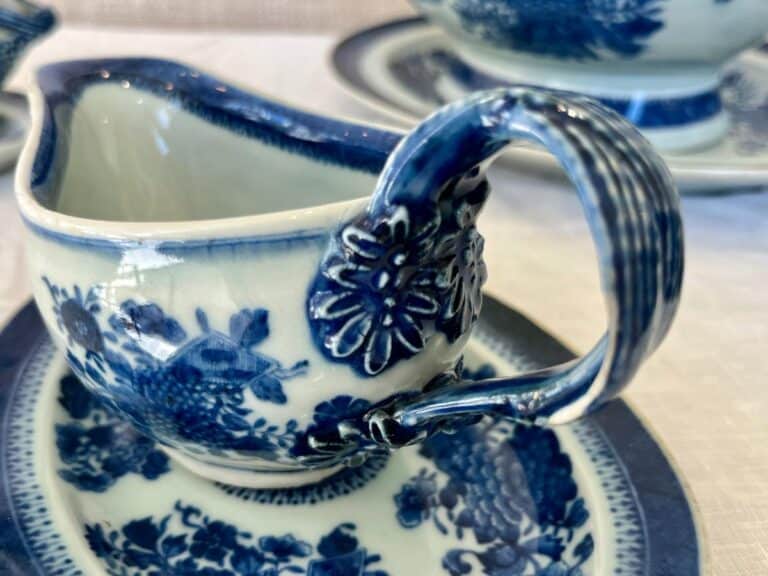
21, 22
406, 69
81, 492
662, 58
219, 274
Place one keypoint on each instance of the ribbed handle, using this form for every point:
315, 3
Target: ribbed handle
411, 266
633, 212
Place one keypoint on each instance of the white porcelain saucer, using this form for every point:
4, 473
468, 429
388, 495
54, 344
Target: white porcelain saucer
406, 69
82, 493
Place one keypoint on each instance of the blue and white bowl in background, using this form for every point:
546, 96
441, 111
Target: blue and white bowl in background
663, 56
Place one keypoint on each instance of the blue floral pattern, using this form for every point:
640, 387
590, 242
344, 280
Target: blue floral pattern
96, 447
512, 489
186, 542
573, 29
197, 394
390, 282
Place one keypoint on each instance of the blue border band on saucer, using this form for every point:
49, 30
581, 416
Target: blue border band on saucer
644, 113
18, 342
672, 539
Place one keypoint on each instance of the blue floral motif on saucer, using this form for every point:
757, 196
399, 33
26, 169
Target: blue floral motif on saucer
85, 492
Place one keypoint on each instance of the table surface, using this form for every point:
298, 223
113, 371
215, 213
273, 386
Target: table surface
704, 392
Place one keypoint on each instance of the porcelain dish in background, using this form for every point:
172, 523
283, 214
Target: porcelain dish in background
660, 60
219, 273
81, 492
406, 69
21, 23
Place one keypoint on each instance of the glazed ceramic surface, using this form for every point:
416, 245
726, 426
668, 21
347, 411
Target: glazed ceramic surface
21, 22
214, 269
664, 54
84, 493
407, 69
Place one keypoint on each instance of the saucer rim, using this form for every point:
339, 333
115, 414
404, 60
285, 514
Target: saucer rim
668, 514
691, 176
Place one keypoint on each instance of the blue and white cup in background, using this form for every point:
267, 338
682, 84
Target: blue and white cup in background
658, 62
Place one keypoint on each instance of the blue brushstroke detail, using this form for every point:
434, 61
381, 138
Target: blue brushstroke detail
197, 393
96, 447
513, 490
181, 387
186, 542
569, 29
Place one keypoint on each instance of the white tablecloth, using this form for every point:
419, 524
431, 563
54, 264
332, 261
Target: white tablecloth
705, 392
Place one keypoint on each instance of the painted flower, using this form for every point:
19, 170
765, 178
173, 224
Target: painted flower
284, 548
339, 408
162, 546
96, 448
81, 325
76, 315
374, 299
98, 542
416, 500
512, 488
339, 542
399, 274
214, 541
